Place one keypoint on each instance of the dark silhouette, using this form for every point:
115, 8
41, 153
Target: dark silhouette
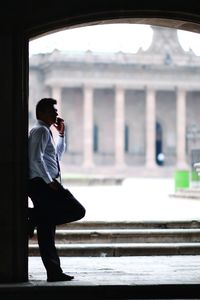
52, 203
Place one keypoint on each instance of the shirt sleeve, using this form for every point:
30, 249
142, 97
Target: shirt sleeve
37, 145
60, 147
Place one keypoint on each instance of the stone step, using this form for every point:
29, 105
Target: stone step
126, 235
122, 249
185, 195
131, 224
190, 193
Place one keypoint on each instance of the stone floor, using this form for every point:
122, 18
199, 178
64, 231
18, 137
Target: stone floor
135, 270
139, 277
135, 199
136, 277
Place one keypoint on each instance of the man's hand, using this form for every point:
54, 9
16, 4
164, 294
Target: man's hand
54, 185
60, 126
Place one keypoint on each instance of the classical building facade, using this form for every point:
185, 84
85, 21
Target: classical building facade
127, 112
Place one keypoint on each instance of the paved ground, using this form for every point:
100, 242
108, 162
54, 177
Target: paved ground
135, 270
113, 278
136, 199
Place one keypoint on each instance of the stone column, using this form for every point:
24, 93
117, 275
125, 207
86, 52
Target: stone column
14, 157
57, 95
88, 126
119, 126
181, 129
150, 128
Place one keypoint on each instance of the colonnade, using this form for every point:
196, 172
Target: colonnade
150, 119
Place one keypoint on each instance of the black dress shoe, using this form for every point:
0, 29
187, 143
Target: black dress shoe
60, 277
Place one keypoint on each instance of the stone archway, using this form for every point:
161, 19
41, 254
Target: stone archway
19, 23
159, 132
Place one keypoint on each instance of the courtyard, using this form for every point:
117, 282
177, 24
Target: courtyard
136, 199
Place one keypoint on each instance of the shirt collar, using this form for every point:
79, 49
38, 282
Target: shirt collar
40, 122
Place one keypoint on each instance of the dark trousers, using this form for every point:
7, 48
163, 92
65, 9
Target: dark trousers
51, 208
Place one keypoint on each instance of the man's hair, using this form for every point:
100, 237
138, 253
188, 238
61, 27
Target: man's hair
43, 105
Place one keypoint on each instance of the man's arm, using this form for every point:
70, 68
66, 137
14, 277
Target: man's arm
60, 147
37, 145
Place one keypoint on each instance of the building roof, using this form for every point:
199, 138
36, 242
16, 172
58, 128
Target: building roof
165, 49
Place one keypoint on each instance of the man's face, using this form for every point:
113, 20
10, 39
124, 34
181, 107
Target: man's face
50, 115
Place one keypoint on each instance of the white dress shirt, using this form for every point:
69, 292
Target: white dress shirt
43, 152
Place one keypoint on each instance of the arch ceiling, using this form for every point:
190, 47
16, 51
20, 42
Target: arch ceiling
50, 16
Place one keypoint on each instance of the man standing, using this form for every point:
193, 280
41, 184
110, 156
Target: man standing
53, 204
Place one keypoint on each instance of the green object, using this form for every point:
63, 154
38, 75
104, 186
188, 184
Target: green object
194, 176
182, 179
